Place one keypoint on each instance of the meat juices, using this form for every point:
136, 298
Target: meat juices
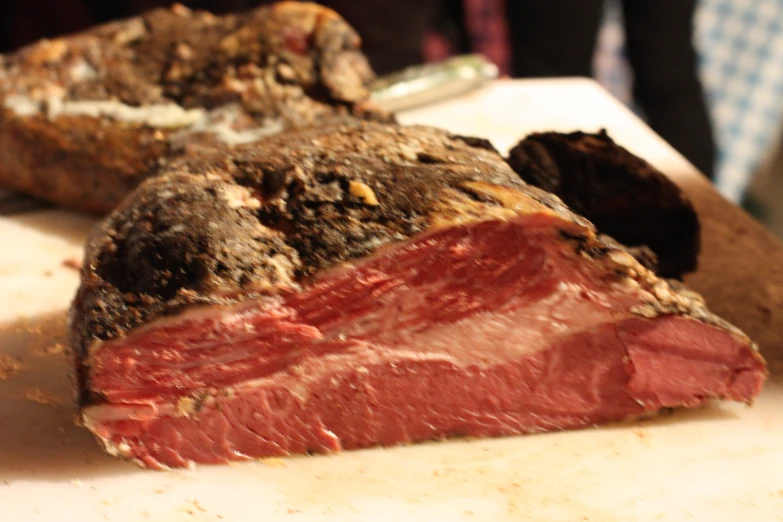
365, 284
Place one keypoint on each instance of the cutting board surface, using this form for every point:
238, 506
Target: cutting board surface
721, 462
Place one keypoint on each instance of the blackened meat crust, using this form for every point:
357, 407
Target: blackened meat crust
623, 195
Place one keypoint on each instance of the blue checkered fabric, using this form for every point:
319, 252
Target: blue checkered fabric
741, 48
740, 43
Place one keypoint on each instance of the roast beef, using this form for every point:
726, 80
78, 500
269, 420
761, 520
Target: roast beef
363, 284
623, 195
85, 118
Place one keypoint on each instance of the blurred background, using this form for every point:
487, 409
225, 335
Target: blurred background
739, 45
707, 75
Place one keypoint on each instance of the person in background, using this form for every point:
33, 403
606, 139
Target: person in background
558, 38
525, 38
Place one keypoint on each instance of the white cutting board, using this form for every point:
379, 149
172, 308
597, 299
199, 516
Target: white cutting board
720, 463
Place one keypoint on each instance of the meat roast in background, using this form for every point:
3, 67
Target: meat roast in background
623, 195
85, 118
364, 284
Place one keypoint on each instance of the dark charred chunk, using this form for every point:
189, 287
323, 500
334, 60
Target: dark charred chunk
624, 196
179, 243
185, 238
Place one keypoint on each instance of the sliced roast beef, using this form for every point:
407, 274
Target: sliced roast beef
623, 195
364, 284
85, 118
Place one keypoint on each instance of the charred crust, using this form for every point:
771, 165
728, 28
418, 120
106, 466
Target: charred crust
623, 195
644, 255
634, 267
597, 247
478, 143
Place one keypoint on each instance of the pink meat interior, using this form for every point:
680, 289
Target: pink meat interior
488, 329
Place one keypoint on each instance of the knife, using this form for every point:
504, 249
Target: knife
432, 82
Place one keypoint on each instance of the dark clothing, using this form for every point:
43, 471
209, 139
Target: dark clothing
557, 38
392, 31
553, 37
666, 85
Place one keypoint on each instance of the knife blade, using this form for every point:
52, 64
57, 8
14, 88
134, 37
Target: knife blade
432, 82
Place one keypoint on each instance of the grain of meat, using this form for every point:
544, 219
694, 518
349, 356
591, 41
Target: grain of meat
249, 303
85, 118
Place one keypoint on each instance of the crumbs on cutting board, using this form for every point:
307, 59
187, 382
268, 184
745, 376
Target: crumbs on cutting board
43, 398
9, 366
43, 336
52, 324
643, 436
50, 349
274, 462
72, 263
192, 507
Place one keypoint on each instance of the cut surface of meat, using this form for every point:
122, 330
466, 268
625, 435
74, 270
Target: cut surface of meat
331, 310
484, 330
85, 118
623, 195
